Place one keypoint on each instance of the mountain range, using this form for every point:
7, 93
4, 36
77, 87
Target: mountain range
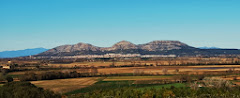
125, 47
20, 53
176, 48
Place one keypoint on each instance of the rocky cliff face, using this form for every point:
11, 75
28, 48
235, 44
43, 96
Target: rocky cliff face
83, 46
163, 45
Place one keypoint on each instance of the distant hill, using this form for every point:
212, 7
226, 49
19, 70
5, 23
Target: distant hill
120, 47
209, 47
176, 48
20, 53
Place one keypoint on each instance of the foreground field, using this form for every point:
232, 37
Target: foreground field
81, 85
65, 85
111, 85
84, 85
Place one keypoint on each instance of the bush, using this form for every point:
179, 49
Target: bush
131, 92
9, 78
25, 90
31, 76
216, 82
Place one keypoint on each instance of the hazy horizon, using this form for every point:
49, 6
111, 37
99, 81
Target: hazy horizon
32, 24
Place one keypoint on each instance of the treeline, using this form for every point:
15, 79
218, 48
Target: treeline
50, 75
181, 77
25, 90
31, 76
4, 77
131, 92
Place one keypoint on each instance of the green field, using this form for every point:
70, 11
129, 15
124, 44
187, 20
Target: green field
177, 85
108, 85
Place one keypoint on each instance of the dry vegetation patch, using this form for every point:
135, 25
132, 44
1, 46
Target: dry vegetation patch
65, 85
123, 78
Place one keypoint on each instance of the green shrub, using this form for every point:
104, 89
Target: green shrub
9, 78
25, 90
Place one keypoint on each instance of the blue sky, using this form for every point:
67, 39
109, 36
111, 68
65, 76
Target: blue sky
50, 23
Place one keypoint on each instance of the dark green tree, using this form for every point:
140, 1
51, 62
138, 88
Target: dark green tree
9, 78
25, 90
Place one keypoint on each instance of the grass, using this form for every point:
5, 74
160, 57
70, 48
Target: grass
177, 85
136, 77
108, 85
115, 82
14, 76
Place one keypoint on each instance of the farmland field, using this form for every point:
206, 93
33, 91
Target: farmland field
88, 64
81, 85
101, 85
115, 77
122, 78
65, 85
151, 70
108, 85
165, 86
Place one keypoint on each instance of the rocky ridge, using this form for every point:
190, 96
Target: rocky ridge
157, 47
